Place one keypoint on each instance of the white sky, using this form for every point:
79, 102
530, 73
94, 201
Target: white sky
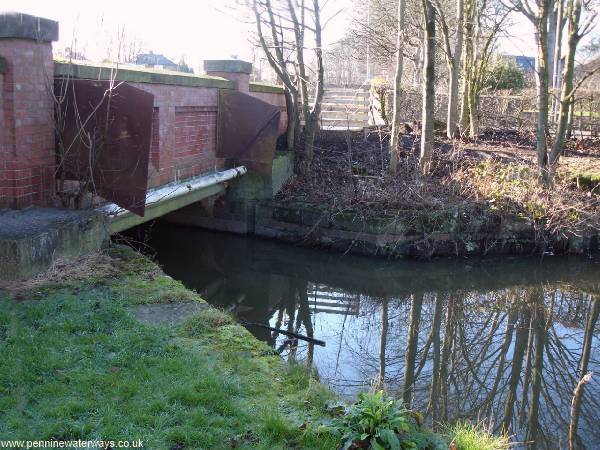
198, 29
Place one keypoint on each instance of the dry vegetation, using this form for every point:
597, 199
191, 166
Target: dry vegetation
492, 177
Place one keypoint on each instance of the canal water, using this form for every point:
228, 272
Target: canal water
501, 341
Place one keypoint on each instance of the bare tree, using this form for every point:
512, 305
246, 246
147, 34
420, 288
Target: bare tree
284, 44
483, 20
427, 129
567, 90
396, 121
538, 13
453, 59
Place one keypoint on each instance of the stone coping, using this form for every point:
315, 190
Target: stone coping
266, 88
91, 71
227, 65
24, 26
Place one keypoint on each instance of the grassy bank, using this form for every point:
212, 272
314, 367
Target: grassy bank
77, 365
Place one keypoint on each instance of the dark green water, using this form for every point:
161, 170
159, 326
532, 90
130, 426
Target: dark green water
491, 340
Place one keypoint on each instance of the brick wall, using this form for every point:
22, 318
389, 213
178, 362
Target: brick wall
27, 158
184, 122
195, 140
184, 132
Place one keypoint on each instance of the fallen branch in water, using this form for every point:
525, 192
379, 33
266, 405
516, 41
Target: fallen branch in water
575, 403
287, 333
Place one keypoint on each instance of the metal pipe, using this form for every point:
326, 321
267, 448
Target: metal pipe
177, 189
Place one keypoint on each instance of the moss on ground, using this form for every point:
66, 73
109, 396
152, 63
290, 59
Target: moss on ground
77, 365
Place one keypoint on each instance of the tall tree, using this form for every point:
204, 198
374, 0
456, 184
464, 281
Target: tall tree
567, 90
284, 45
483, 20
545, 21
453, 59
427, 129
396, 121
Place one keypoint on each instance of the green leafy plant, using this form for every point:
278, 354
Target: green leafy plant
375, 421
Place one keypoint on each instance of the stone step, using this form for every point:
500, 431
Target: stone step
348, 98
334, 115
341, 106
344, 122
344, 100
346, 92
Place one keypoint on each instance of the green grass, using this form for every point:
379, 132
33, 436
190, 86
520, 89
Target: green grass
76, 365
475, 437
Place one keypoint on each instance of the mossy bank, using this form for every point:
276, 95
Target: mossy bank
77, 364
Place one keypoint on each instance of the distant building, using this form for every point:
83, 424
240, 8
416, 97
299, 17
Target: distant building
525, 63
155, 61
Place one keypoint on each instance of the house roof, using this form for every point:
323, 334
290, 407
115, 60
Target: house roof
153, 59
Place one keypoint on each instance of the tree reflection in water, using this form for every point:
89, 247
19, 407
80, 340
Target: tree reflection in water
504, 342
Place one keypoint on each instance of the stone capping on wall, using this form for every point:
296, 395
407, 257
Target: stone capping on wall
23, 26
136, 75
266, 88
227, 65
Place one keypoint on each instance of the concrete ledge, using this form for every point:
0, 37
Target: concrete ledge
266, 88
23, 26
31, 239
136, 75
227, 65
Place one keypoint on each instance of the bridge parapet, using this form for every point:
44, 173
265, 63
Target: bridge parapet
185, 112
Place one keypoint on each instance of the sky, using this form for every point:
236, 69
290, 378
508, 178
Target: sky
195, 29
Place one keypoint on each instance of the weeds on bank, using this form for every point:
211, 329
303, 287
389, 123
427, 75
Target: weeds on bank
379, 422
475, 437
512, 190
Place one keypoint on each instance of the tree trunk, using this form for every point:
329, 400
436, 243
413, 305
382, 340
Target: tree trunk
411, 348
542, 91
312, 124
394, 138
427, 130
292, 114
538, 367
555, 77
570, 119
573, 15
452, 125
583, 368
468, 63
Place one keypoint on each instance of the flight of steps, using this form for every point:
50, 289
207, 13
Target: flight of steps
344, 108
331, 301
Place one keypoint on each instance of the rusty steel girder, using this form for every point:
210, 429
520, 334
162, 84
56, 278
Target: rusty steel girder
248, 129
104, 138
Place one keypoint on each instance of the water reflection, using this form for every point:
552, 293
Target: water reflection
505, 341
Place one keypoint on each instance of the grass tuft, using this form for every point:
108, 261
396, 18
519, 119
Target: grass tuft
207, 320
475, 437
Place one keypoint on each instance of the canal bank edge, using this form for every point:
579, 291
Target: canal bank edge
212, 367
414, 234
